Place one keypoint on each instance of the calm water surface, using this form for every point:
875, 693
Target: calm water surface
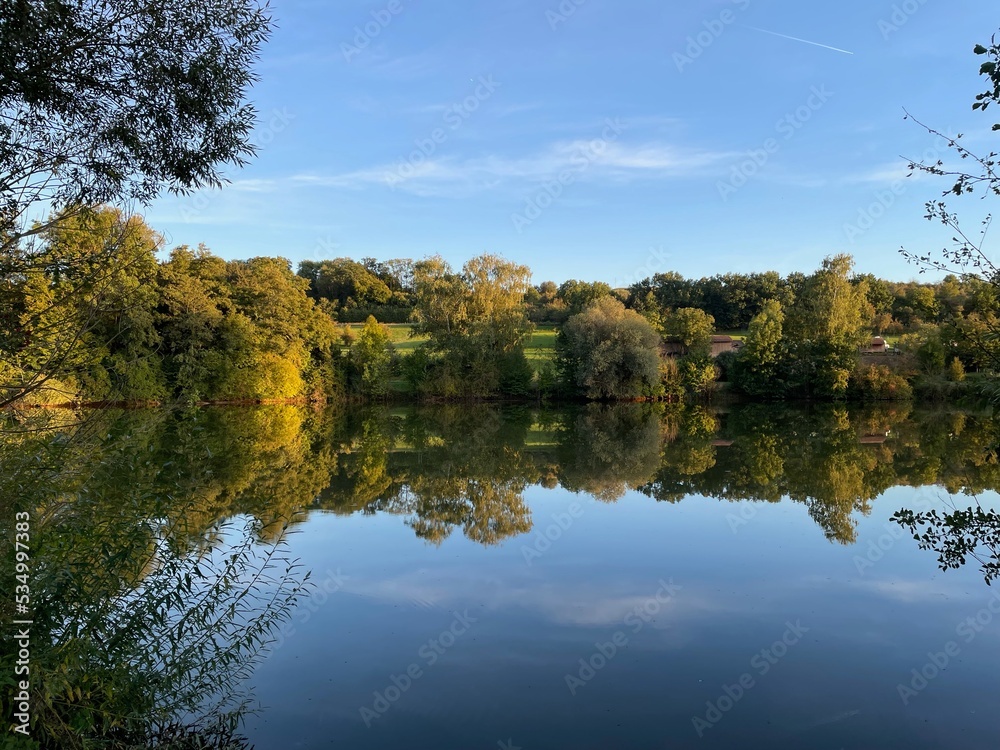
602, 577
602, 618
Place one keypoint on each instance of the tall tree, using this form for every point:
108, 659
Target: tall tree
829, 322
371, 359
477, 324
78, 326
578, 295
693, 328
111, 102
344, 282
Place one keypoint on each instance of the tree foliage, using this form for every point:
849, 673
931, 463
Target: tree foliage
609, 352
77, 323
829, 322
114, 100
108, 102
345, 283
477, 324
762, 361
692, 328
371, 360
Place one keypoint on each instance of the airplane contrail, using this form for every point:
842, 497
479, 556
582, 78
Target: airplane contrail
805, 41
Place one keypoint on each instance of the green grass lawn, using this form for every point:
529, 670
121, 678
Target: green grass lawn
541, 347
738, 335
399, 335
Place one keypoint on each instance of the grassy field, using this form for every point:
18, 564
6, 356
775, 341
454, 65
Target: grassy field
738, 335
399, 334
541, 347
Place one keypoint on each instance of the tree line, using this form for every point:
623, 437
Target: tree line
102, 316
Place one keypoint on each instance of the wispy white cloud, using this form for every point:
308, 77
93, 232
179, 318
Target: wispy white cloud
453, 176
585, 605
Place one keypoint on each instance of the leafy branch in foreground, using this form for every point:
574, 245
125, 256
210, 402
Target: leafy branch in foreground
967, 253
957, 537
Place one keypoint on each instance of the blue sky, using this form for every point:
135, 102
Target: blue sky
600, 140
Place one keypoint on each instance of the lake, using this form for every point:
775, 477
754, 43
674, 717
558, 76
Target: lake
623, 576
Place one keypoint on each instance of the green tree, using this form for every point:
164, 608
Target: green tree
956, 371
923, 301
243, 330
290, 340
976, 339
578, 295
759, 365
829, 322
670, 289
477, 324
880, 295
441, 299
693, 328
927, 346
371, 358
111, 102
608, 352
80, 322
345, 283
698, 373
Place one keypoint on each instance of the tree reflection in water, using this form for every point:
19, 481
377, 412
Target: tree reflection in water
159, 563
152, 595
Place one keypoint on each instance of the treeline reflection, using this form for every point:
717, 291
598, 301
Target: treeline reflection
465, 468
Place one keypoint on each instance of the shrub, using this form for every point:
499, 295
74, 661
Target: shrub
956, 371
879, 383
516, 375
608, 352
698, 373
371, 360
